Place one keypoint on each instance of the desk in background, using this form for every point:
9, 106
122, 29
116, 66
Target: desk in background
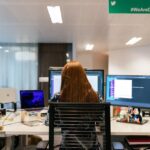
119, 128
13, 126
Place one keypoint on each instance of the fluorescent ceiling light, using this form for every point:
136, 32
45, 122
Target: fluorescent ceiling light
89, 47
55, 14
133, 40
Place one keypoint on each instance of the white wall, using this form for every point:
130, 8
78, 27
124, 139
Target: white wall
131, 61
93, 60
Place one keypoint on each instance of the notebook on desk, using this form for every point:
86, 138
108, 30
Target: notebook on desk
138, 140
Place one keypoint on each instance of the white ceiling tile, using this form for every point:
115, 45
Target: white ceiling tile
84, 21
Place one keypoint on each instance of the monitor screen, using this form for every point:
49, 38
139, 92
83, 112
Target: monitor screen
95, 77
128, 90
31, 99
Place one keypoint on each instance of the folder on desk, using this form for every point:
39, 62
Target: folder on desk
138, 140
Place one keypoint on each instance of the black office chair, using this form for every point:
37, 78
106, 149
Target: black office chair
81, 126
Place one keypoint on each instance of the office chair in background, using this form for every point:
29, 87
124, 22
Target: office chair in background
82, 126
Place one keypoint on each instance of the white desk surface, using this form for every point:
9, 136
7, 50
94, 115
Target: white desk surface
119, 128
15, 127
21, 129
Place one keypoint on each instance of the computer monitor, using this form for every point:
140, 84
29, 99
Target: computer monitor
8, 98
32, 99
7, 95
128, 90
95, 77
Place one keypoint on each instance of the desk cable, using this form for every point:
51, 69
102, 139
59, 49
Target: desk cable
6, 118
2, 124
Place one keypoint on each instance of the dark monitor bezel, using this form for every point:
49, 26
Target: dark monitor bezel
127, 104
59, 69
32, 108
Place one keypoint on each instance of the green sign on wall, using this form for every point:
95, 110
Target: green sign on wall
129, 6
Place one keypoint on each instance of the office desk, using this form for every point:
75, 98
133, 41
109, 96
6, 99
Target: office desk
21, 129
13, 126
119, 128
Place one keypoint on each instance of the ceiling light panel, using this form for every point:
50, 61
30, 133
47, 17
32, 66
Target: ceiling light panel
133, 40
55, 14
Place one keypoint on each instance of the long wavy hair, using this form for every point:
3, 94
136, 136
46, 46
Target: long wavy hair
75, 86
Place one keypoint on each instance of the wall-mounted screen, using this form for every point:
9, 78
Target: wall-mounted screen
95, 77
128, 90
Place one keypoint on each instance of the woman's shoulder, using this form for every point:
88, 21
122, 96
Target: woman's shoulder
92, 96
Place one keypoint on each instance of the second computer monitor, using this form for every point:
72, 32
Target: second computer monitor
7, 95
32, 99
128, 90
95, 77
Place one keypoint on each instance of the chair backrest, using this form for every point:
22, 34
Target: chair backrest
83, 126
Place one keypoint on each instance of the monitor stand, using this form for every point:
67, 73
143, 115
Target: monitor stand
133, 116
145, 113
31, 118
33, 113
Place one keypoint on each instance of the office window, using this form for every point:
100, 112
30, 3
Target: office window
19, 67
